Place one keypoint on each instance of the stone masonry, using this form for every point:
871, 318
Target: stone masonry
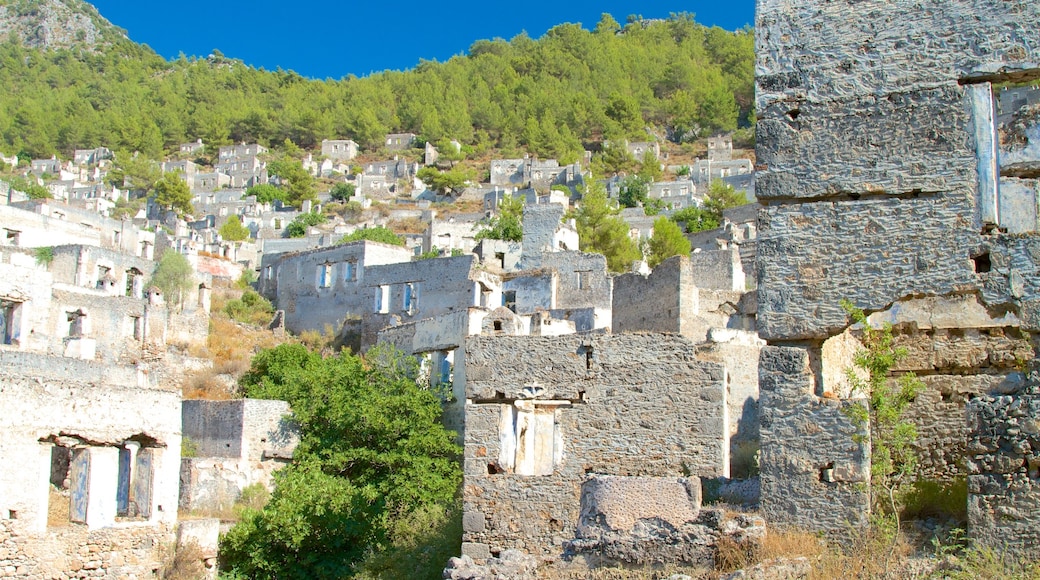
888, 178
576, 407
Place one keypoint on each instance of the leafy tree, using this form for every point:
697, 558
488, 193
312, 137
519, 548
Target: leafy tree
233, 230
451, 181
171, 193
300, 187
373, 463
892, 436
174, 276
695, 219
650, 170
721, 196
376, 234
298, 227
601, 230
507, 224
613, 160
448, 151
137, 172
667, 241
342, 191
632, 191
267, 193
31, 189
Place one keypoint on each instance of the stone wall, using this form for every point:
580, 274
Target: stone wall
75, 552
881, 184
237, 443
537, 425
661, 301
98, 451
1004, 468
812, 471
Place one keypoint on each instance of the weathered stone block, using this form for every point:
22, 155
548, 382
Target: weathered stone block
812, 469
899, 143
872, 252
475, 550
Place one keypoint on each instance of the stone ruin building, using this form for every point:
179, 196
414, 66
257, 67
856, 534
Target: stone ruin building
887, 178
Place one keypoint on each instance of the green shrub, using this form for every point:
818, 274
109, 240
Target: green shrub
251, 308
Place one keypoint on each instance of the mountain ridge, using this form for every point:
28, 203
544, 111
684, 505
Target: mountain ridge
50, 24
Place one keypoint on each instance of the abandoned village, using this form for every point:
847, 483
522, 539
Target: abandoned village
897, 166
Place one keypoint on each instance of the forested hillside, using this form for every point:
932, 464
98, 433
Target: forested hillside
548, 96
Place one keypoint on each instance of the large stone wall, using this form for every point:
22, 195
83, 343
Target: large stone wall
571, 407
75, 552
661, 301
881, 184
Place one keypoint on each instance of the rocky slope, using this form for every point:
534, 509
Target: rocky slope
56, 24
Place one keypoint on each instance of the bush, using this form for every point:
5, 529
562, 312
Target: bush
298, 227
375, 471
377, 234
251, 308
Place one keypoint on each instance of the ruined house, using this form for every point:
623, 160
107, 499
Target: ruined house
235, 444
339, 149
887, 178
587, 448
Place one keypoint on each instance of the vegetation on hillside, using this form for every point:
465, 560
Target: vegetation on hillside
548, 96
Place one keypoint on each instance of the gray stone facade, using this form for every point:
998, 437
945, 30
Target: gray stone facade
888, 178
538, 426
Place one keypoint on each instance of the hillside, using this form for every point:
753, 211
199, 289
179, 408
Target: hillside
551, 97
53, 24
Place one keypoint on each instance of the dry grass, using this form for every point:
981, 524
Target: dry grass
412, 225
230, 346
186, 562
58, 508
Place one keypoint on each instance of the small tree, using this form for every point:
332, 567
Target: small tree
892, 436
233, 230
452, 181
633, 191
722, 196
695, 219
508, 224
300, 187
298, 227
342, 191
267, 193
601, 230
174, 276
667, 241
172, 193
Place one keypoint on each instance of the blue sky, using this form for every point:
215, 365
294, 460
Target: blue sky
331, 39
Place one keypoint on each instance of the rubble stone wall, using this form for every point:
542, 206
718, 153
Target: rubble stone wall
624, 405
73, 552
1004, 472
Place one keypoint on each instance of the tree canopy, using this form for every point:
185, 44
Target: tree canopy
172, 193
507, 224
374, 469
601, 230
233, 230
668, 240
174, 276
544, 96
